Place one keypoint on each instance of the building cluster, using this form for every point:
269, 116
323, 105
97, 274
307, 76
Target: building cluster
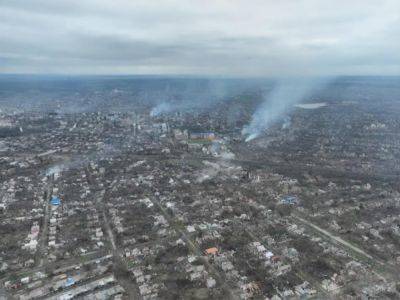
119, 205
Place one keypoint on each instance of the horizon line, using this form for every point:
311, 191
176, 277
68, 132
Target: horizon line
181, 75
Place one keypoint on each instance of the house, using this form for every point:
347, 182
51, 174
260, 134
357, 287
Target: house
70, 281
55, 201
99, 233
226, 266
288, 199
275, 258
268, 254
211, 282
211, 251
25, 280
210, 136
31, 245
190, 229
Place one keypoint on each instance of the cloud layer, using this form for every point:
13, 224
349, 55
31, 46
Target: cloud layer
239, 38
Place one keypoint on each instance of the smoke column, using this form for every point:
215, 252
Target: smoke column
285, 94
199, 95
162, 108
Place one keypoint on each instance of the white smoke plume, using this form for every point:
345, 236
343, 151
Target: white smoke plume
162, 108
286, 93
200, 95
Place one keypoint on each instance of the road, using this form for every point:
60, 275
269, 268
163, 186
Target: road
41, 253
380, 268
127, 283
332, 237
109, 232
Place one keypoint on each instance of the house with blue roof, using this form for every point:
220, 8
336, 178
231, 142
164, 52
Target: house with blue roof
289, 199
55, 200
70, 281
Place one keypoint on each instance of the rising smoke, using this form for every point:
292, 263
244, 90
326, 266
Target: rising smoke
193, 95
162, 108
286, 93
198, 95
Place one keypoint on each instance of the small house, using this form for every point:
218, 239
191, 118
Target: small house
211, 251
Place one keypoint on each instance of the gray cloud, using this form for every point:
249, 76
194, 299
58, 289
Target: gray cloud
242, 38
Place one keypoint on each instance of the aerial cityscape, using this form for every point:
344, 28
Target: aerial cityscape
108, 194
194, 150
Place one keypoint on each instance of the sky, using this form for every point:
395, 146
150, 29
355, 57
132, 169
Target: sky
204, 37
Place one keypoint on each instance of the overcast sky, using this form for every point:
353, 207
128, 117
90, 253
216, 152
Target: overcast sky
204, 37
